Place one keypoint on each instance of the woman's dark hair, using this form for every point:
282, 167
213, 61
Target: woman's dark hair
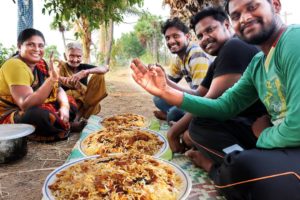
218, 13
28, 33
175, 22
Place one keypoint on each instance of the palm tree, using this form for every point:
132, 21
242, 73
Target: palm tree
184, 9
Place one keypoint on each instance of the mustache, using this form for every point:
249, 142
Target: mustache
170, 45
249, 23
209, 40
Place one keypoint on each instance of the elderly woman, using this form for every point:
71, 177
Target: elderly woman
88, 92
29, 91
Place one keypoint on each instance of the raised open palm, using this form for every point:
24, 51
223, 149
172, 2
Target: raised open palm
152, 79
53, 70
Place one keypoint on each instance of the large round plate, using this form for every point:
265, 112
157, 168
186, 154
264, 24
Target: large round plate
184, 190
13, 131
146, 122
161, 151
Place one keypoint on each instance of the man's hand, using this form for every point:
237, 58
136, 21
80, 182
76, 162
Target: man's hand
260, 124
152, 79
174, 142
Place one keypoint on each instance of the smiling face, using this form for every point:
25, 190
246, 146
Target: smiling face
32, 50
212, 34
177, 41
253, 20
74, 57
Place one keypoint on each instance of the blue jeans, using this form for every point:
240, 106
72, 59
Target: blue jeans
173, 113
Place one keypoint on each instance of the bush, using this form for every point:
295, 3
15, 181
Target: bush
6, 53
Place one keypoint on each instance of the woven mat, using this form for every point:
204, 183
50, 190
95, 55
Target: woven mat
202, 189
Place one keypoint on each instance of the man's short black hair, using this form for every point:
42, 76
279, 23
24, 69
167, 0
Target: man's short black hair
226, 5
218, 13
175, 22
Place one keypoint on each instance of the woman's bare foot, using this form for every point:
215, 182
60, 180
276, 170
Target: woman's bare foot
77, 126
160, 114
199, 160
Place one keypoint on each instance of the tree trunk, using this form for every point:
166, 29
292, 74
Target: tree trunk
105, 41
110, 33
65, 44
85, 34
155, 48
102, 39
62, 30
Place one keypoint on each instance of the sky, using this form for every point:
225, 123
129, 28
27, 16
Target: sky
8, 15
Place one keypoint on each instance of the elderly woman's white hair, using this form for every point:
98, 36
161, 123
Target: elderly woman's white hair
73, 45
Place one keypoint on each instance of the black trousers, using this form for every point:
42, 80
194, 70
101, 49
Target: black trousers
252, 174
45, 119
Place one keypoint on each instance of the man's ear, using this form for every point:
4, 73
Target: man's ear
188, 35
277, 6
227, 24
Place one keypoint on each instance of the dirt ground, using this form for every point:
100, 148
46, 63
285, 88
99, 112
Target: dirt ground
23, 180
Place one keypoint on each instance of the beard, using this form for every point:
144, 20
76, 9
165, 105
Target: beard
264, 34
73, 65
213, 52
178, 51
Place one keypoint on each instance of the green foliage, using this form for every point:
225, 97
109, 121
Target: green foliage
164, 58
5, 53
61, 26
144, 42
88, 15
147, 57
148, 27
49, 50
131, 46
147, 30
126, 48
95, 11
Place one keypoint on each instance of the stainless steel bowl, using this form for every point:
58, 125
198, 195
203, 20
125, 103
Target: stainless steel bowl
13, 141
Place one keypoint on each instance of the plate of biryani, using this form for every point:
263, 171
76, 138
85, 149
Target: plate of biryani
116, 177
126, 120
121, 140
